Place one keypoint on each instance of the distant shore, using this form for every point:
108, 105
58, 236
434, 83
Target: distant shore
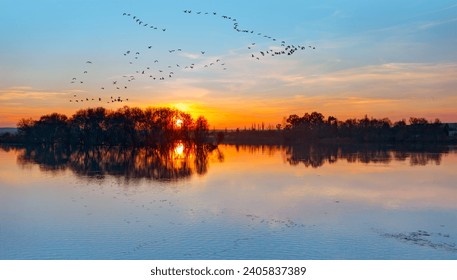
135, 127
287, 138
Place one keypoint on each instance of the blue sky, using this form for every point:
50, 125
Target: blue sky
385, 58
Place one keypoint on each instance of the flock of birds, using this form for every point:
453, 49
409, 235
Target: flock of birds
156, 70
283, 49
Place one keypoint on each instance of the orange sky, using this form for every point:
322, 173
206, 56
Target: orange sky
395, 91
384, 59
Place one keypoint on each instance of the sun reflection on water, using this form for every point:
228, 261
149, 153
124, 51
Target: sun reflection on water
179, 150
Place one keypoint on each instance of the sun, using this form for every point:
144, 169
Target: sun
179, 123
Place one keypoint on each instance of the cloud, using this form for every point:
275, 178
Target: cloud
190, 55
433, 24
24, 95
396, 80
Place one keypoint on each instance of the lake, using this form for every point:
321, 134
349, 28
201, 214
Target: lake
235, 202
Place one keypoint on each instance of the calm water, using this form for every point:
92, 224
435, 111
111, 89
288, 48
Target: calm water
230, 203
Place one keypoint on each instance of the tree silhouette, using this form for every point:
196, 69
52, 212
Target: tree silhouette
129, 127
201, 130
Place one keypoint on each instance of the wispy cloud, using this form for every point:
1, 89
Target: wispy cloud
190, 55
435, 23
394, 79
28, 94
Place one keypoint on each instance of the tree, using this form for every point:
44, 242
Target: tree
201, 130
25, 129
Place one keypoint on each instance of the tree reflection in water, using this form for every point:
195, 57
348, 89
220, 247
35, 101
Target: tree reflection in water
167, 163
317, 155
181, 159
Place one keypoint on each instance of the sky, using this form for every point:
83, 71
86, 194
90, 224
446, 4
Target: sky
392, 59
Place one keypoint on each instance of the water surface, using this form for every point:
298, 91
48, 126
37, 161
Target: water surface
251, 202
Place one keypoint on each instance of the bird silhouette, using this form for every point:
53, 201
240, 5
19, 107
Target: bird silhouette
280, 48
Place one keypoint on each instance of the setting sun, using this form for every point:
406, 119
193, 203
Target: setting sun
179, 123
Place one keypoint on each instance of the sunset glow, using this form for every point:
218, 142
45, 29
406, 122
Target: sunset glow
362, 63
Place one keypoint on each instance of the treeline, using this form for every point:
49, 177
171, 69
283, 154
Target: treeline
132, 127
316, 126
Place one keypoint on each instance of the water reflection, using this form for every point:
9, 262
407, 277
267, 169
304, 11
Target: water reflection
181, 159
173, 162
262, 202
318, 155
